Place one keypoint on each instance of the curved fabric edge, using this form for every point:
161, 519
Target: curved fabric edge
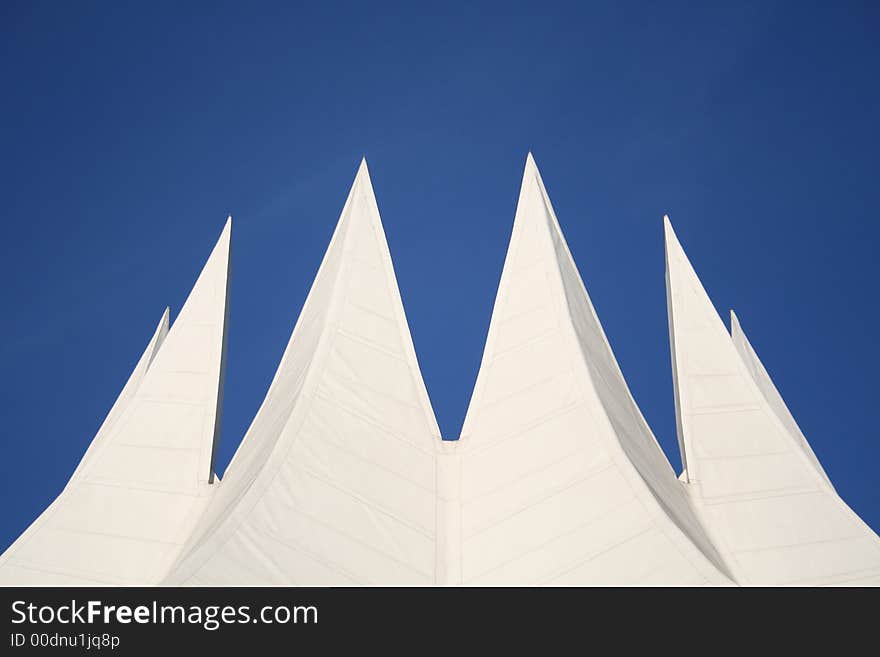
333, 482
556, 462
130, 505
773, 514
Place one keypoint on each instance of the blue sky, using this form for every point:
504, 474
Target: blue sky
130, 130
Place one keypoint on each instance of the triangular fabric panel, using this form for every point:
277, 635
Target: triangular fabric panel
560, 480
20, 566
133, 501
131, 386
334, 481
342, 478
771, 394
773, 514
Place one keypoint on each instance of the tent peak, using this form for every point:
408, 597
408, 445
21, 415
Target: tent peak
226, 232
362, 177
734, 323
670, 238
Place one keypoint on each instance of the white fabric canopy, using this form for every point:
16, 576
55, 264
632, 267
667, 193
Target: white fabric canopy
342, 478
756, 483
334, 480
561, 480
143, 482
771, 394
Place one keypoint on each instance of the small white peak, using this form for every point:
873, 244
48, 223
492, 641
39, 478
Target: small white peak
735, 327
668, 231
227, 227
362, 177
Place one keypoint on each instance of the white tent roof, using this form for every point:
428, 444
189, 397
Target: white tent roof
142, 484
334, 480
342, 477
756, 482
771, 394
562, 481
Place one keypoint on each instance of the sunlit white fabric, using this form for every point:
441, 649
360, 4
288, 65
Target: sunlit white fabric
342, 478
561, 480
771, 394
757, 484
143, 482
334, 481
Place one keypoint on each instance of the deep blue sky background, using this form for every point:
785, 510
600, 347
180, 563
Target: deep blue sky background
128, 131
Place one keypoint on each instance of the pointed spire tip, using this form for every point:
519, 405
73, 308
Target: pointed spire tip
363, 171
668, 230
735, 327
225, 235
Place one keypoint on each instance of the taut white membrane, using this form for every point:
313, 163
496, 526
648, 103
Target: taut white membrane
143, 482
334, 480
557, 478
771, 394
342, 477
756, 482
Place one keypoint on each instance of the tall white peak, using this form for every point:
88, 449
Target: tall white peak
754, 480
561, 480
334, 480
133, 501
